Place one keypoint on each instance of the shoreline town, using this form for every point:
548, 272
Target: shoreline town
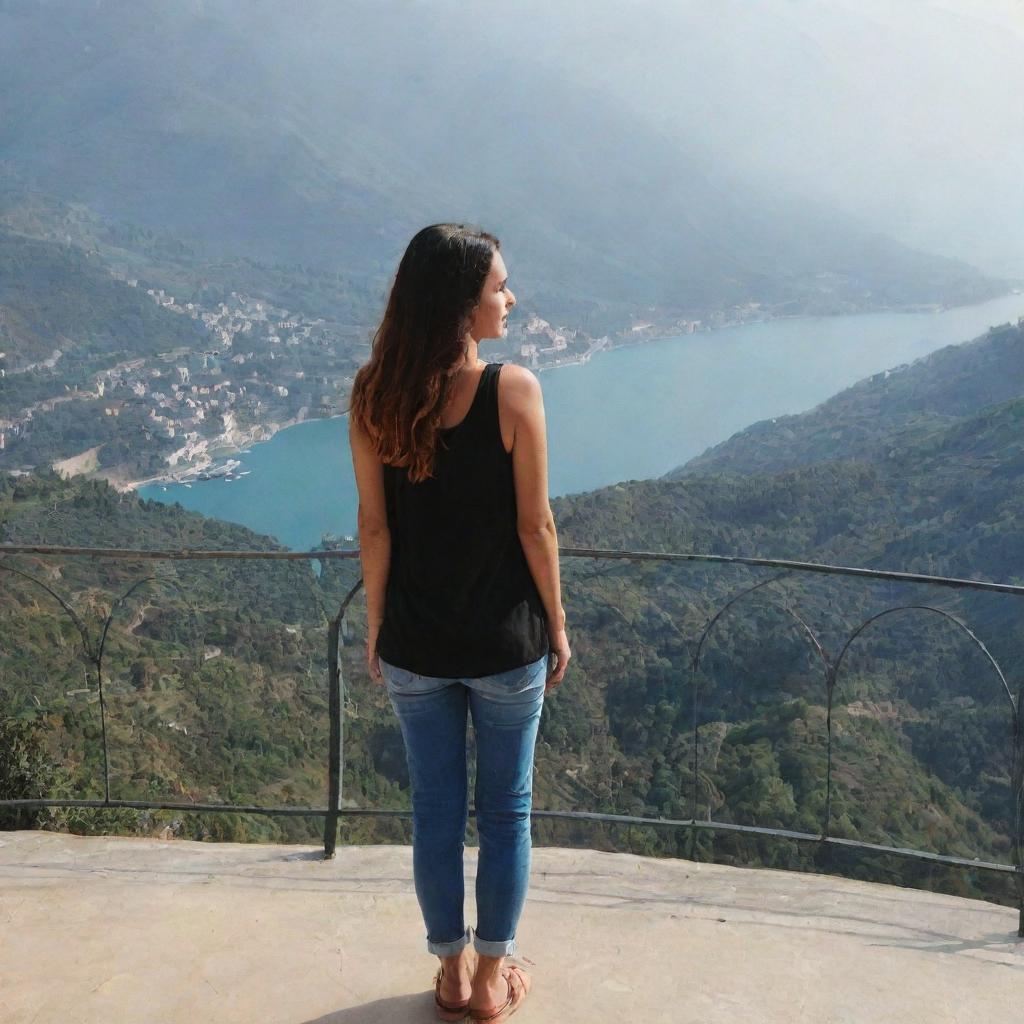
295, 369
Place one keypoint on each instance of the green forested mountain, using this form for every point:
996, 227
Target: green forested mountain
55, 296
185, 650
921, 470
892, 408
947, 503
942, 496
158, 259
218, 696
89, 360
215, 671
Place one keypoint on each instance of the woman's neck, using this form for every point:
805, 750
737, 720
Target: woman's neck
471, 356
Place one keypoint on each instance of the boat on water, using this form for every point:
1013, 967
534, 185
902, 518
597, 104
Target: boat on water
226, 470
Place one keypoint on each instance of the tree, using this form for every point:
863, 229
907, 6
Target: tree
26, 771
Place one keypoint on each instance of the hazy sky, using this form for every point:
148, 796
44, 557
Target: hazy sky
908, 112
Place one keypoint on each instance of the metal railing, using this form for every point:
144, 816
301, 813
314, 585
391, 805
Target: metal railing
333, 812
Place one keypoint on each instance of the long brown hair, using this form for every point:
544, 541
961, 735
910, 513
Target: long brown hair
399, 395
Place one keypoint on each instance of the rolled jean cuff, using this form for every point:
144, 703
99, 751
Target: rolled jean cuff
453, 948
485, 947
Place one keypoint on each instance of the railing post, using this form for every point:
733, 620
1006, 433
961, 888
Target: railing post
336, 710
335, 751
1017, 785
830, 685
826, 826
103, 730
693, 853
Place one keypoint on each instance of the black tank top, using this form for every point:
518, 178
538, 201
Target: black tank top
461, 602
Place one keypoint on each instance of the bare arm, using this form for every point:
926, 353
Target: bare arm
374, 539
535, 523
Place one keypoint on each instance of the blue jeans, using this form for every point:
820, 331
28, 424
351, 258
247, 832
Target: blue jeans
432, 714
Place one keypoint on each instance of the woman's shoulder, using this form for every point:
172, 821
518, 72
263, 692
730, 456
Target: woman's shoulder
519, 401
518, 383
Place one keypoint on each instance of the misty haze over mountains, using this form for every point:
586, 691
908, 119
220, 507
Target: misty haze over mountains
681, 158
907, 115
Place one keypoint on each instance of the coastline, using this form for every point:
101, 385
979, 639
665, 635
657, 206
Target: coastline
214, 451
233, 442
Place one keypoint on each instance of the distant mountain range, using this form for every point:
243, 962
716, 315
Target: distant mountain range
327, 141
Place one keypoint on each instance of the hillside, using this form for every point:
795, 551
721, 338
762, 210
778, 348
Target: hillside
66, 327
215, 690
99, 358
55, 295
205, 699
944, 501
897, 406
161, 259
215, 672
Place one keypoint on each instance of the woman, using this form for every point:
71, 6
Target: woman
460, 566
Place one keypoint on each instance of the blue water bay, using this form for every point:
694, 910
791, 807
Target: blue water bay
630, 413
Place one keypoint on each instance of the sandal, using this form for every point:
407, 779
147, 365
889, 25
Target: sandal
448, 1011
516, 995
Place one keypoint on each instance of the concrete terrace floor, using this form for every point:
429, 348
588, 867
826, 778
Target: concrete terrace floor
142, 930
